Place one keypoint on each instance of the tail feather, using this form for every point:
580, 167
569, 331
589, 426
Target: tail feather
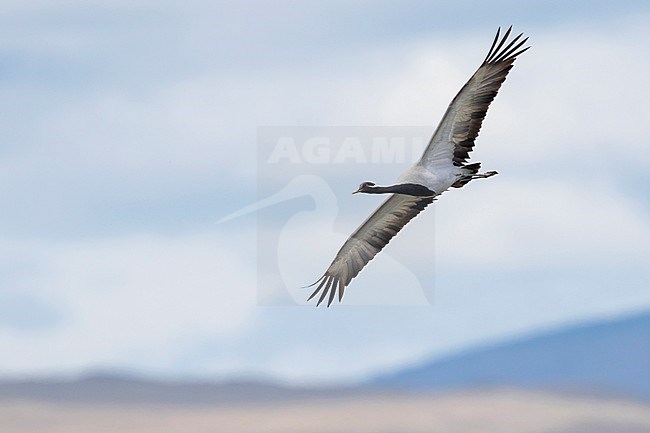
472, 168
468, 171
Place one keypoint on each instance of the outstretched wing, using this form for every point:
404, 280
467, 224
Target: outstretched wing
455, 135
364, 244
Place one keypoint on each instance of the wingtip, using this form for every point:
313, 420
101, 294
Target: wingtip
326, 288
314, 283
498, 53
332, 293
321, 281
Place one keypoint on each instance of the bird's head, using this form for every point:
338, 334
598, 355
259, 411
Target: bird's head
364, 187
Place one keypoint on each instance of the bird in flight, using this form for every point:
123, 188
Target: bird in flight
443, 165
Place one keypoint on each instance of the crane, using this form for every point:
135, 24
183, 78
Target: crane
443, 165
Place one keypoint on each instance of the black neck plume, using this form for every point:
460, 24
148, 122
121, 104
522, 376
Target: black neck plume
404, 188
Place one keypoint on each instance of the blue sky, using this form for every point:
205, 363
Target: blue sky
130, 128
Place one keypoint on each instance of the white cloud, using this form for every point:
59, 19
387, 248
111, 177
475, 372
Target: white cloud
131, 298
524, 223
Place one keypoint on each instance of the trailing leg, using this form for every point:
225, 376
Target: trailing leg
483, 175
471, 172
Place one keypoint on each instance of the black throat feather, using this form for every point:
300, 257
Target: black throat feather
404, 188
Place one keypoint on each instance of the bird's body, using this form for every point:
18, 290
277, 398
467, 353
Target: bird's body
437, 179
442, 166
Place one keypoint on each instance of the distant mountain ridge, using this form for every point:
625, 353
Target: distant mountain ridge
609, 357
128, 389
605, 358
